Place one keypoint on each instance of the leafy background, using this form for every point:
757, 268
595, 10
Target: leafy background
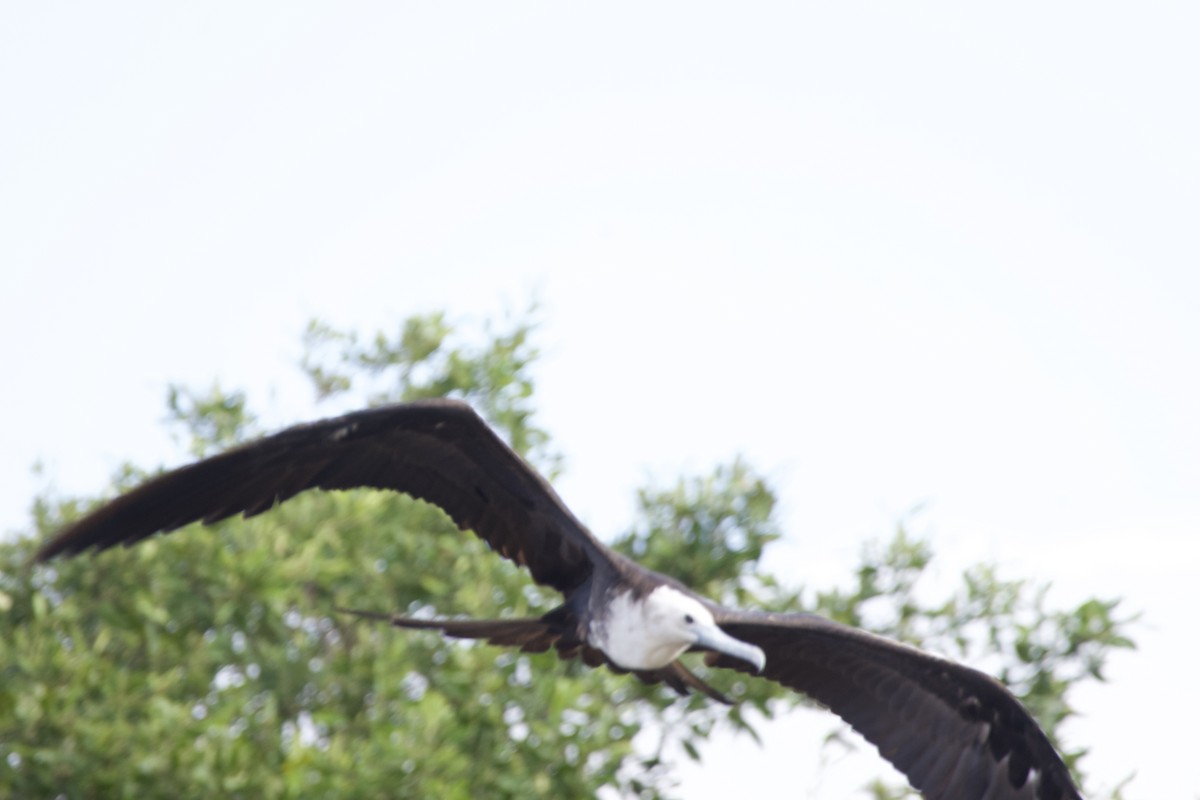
937, 255
208, 663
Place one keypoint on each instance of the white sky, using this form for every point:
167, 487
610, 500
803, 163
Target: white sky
893, 254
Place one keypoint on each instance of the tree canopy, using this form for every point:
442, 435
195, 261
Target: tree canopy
212, 663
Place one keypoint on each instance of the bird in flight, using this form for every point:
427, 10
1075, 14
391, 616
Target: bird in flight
955, 733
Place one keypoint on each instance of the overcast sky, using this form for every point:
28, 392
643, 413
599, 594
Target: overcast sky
895, 255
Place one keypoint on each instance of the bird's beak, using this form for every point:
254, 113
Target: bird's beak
713, 638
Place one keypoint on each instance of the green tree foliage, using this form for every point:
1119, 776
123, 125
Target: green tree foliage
210, 662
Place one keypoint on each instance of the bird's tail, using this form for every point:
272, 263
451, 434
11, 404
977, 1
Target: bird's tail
537, 635
532, 635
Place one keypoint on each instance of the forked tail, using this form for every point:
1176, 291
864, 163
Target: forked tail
531, 635
537, 635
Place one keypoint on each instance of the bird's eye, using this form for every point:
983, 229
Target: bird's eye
688, 618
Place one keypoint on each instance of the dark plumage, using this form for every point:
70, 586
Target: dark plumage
955, 732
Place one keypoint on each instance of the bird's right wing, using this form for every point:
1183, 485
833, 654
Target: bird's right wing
440, 451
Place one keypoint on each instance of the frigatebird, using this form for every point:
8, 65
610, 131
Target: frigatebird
956, 733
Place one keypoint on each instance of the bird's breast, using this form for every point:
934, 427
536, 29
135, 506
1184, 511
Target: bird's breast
622, 632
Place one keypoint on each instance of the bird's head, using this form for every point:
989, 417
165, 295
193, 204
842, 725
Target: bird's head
674, 622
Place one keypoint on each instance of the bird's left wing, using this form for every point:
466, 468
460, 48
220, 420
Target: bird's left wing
956, 733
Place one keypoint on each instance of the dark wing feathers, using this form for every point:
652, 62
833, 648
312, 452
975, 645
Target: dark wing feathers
440, 451
956, 733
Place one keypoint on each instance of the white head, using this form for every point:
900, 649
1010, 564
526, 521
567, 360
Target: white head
652, 632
